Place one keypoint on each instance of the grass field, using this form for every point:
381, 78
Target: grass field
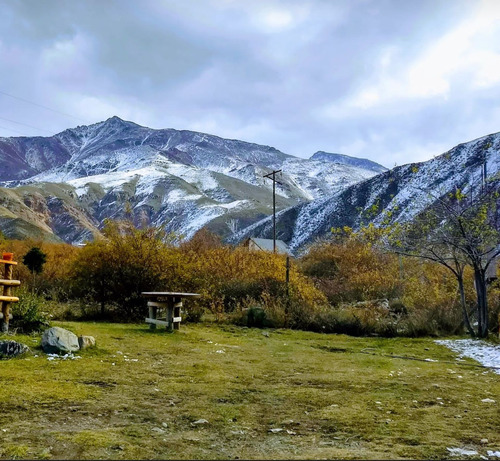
139, 394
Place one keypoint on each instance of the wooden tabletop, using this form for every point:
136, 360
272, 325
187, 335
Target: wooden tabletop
166, 294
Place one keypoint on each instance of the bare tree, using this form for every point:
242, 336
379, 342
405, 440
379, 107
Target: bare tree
456, 231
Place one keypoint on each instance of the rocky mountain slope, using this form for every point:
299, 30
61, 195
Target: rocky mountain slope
402, 191
66, 185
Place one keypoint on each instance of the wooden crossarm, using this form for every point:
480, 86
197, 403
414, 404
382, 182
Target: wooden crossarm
163, 322
9, 299
10, 283
3, 261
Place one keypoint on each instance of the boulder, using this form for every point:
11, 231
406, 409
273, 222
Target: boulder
9, 349
86, 341
57, 340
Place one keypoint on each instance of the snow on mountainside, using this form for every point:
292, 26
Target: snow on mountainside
403, 191
181, 179
117, 145
347, 160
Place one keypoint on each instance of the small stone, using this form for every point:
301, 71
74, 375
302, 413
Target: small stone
484, 441
158, 430
165, 425
9, 349
201, 421
265, 333
275, 430
488, 401
86, 342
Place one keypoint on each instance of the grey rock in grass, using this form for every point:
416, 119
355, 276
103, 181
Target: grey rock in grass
9, 349
201, 421
57, 340
86, 341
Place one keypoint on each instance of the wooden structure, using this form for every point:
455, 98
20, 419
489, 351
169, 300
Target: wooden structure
258, 244
168, 302
6, 284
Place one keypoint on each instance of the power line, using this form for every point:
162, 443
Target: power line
24, 124
10, 129
43, 107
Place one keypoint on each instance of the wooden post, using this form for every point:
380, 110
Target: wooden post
273, 174
287, 282
7, 291
170, 314
153, 309
177, 312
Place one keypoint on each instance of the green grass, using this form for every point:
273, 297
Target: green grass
139, 392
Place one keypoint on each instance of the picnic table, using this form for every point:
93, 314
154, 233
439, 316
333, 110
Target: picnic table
168, 302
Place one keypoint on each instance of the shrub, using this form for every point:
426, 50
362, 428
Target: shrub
30, 313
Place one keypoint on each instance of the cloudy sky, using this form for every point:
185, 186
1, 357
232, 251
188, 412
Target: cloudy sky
395, 81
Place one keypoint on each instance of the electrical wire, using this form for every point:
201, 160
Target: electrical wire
10, 129
24, 124
42, 106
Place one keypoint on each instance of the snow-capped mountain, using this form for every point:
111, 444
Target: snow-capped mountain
403, 191
181, 179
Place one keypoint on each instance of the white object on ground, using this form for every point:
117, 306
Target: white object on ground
485, 353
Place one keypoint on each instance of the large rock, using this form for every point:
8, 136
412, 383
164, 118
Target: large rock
9, 349
86, 341
57, 340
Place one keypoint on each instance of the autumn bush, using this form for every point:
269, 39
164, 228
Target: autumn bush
113, 271
421, 297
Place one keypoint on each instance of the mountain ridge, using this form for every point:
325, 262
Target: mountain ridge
178, 178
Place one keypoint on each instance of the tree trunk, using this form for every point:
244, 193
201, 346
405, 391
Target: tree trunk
482, 303
464, 306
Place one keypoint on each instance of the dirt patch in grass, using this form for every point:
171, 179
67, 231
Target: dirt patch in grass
291, 395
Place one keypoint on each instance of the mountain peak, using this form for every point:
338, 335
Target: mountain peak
117, 121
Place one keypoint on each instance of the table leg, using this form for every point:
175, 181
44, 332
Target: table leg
153, 310
177, 311
170, 315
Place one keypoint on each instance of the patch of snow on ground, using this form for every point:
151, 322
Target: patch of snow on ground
116, 179
235, 204
178, 194
485, 353
461, 452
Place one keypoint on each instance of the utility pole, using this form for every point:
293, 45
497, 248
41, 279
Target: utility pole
272, 176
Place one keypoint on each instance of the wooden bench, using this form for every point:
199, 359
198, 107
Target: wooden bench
168, 302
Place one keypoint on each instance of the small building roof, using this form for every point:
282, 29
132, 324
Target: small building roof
267, 245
